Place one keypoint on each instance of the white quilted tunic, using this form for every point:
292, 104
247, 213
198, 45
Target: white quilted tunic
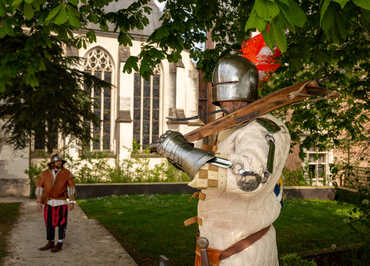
230, 214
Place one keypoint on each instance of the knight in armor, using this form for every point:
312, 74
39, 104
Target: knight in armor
237, 205
52, 188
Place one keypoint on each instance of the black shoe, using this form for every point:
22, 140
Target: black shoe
49, 245
57, 248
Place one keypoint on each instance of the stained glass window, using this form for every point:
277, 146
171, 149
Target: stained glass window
42, 139
155, 111
99, 63
146, 109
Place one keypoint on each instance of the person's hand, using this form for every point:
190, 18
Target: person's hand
71, 206
39, 206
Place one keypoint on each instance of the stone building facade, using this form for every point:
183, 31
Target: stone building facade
134, 109
317, 164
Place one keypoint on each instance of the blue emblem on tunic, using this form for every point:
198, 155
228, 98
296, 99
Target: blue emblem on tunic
278, 190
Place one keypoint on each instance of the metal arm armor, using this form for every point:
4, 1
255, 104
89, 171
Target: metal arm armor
182, 153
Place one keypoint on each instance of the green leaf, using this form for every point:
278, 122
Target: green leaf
161, 33
328, 24
36, 4
255, 22
131, 63
53, 13
124, 39
266, 9
269, 39
294, 14
2, 10
333, 24
341, 26
73, 17
324, 7
365, 4
91, 36
73, 2
74, 21
278, 32
147, 10
5, 29
62, 17
28, 11
16, 3
286, 2
365, 18
341, 2
29, 1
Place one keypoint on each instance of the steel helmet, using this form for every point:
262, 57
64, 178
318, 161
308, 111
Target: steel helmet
55, 158
235, 78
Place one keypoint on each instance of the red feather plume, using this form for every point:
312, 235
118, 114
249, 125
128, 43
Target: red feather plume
256, 51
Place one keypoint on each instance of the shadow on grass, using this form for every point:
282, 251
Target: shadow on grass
9, 213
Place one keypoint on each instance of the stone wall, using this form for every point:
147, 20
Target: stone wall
13, 179
85, 191
316, 193
14, 187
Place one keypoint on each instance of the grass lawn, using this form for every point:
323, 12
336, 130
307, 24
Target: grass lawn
313, 224
151, 225
8, 215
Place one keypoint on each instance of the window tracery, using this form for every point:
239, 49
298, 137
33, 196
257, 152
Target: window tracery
100, 64
146, 109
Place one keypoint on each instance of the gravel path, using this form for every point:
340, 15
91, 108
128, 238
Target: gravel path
86, 243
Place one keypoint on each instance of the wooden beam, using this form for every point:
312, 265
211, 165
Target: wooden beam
273, 101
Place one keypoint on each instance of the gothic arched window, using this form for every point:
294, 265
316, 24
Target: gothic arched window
100, 64
146, 109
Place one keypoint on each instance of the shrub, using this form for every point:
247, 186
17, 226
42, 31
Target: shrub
294, 260
294, 177
33, 171
359, 218
93, 167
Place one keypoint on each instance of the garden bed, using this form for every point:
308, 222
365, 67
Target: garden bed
85, 191
151, 225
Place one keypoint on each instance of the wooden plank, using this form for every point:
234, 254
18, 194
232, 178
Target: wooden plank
275, 100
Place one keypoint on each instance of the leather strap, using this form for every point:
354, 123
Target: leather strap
272, 128
268, 124
216, 255
271, 155
193, 220
199, 195
209, 147
210, 143
243, 244
213, 257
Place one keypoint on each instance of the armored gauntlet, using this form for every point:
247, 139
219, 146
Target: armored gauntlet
182, 153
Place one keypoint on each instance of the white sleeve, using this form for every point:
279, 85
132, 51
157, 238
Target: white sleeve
251, 149
251, 153
38, 193
71, 191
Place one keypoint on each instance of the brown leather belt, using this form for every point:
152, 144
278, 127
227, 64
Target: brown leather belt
216, 255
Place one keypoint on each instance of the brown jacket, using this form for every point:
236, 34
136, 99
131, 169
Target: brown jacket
57, 191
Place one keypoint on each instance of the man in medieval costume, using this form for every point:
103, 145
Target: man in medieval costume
52, 188
237, 205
